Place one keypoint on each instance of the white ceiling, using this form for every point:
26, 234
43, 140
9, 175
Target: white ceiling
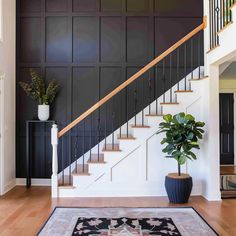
228, 70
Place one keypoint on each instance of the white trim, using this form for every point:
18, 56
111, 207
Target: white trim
1, 21
34, 182
232, 90
9, 186
2, 187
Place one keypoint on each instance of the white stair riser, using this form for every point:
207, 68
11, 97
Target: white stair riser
173, 109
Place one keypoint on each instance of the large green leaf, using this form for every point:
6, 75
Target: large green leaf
182, 134
167, 118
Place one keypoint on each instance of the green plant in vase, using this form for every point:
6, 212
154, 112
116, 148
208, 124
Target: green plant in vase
40, 92
182, 135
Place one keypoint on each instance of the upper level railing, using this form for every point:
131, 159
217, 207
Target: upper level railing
220, 16
142, 94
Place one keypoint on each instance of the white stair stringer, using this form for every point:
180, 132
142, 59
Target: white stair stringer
100, 182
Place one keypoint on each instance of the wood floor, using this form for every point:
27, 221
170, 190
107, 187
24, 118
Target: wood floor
23, 211
228, 170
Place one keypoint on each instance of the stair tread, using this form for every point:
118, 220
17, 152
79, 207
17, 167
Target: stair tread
96, 162
232, 6
210, 50
66, 187
81, 174
81, 170
65, 181
169, 103
125, 137
154, 115
197, 79
140, 126
225, 27
111, 148
184, 91
96, 159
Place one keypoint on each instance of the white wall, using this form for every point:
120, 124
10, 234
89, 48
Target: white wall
7, 67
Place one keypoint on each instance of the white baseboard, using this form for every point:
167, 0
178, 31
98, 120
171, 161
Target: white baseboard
34, 182
9, 186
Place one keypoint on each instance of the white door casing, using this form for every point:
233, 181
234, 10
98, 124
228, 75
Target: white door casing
1, 134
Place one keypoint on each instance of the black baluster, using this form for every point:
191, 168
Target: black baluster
62, 160
191, 57
210, 20
120, 113
150, 91
98, 134
230, 14
83, 149
164, 80
70, 176
223, 1
156, 88
221, 14
90, 139
185, 66
199, 55
177, 67
126, 111
113, 120
154, 85
217, 22
171, 100
214, 22
142, 100
227, 12
106, 126
135, 103
76, 148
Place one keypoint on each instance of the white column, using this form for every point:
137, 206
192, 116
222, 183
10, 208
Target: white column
54, 180
212, 153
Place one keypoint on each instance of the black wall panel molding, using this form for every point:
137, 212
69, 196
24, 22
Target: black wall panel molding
90, 47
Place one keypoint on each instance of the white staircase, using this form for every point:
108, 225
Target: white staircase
135, 166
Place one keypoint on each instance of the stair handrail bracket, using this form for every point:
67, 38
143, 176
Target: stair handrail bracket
54, 143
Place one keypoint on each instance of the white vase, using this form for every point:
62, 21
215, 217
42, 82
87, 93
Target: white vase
43, 112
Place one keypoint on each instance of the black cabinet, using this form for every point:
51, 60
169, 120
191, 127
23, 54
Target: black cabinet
38, 149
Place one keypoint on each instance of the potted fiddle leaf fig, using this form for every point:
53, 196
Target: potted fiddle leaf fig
44, 95
182, 135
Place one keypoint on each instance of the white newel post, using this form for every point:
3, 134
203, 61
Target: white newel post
54, 142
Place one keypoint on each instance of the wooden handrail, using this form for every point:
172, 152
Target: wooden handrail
133, 78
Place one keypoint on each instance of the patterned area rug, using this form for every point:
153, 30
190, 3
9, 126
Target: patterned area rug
126, 222
125, 226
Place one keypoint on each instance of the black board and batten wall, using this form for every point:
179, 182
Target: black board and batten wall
90, 47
